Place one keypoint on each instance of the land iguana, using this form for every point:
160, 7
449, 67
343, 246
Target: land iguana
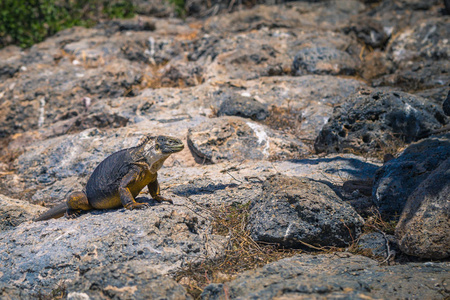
119, 178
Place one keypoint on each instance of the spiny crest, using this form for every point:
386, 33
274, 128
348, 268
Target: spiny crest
137, 152
145, 140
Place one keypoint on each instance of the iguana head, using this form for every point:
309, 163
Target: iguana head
168, 145
157, 148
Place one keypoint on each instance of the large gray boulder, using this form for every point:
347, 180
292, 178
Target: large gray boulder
335, 276
424, 40
421, 55
235, 139
14, 212
285, 48
399, 178
37, 256
294, 210
368, 30
308, 100
127, 280
416, 76
324, 60
424, 226
374, 121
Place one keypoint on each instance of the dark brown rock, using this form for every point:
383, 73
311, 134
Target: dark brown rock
425, 40
446, 105
423, 229
369, 31
372, 122
423, 74
398, 179
246, 107
375, 64
294, 210
324, 60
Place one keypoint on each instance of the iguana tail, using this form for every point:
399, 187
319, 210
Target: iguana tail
53, 213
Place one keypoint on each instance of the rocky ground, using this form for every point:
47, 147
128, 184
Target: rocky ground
324, 121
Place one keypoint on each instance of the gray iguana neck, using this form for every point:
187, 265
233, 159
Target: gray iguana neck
154, 150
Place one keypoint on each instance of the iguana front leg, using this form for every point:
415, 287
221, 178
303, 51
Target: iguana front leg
153, 188
126, 197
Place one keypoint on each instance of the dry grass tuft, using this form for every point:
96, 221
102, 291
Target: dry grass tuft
288, 120
285, 119
389, 147
375, 222
383, 149
242, 253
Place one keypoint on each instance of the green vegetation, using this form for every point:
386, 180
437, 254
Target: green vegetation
179, 7
25, 22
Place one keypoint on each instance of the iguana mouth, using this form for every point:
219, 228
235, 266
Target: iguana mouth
169, 144
172, 149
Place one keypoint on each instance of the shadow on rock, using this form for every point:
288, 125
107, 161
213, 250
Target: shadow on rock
200, 187
355, 167
400, 177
